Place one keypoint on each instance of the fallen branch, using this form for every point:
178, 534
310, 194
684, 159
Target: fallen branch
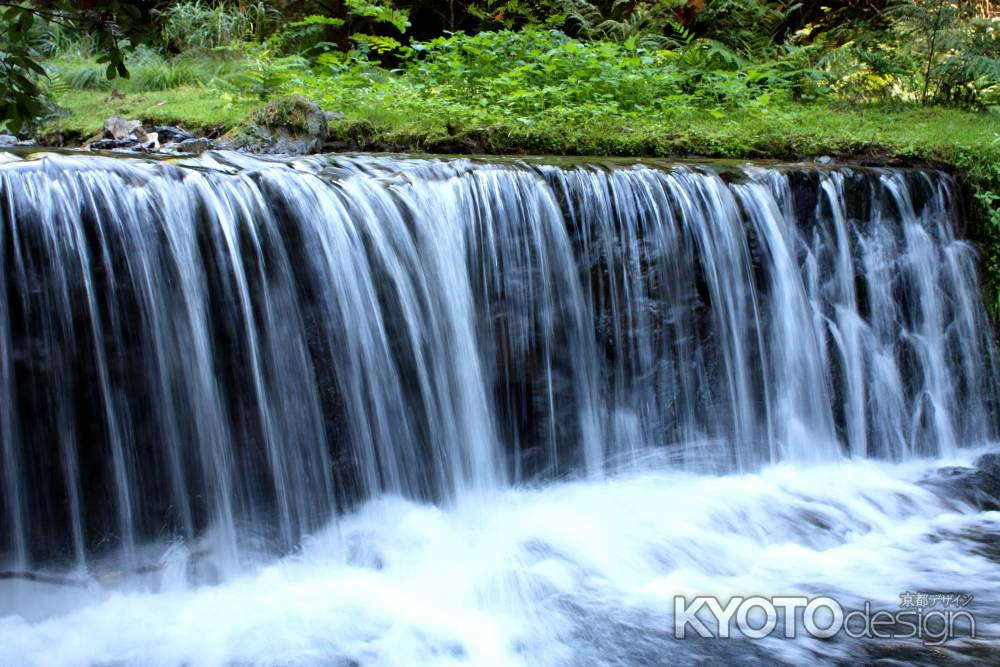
78, 582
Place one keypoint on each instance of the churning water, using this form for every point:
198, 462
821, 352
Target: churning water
362, 410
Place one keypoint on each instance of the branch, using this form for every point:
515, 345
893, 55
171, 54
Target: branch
84, 582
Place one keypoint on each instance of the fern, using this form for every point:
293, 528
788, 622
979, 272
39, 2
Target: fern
377, 43
647, 25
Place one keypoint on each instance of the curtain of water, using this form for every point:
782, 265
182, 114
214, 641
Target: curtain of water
239, 349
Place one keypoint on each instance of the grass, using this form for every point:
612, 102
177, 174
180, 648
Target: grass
933, 135
922, 135
83, 112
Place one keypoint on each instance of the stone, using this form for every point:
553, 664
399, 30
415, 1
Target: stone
169, 133
196, 146
978, 486
8, 140
288, 126
111, 144
119, 129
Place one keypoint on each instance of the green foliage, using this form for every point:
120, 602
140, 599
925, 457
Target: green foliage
751, 27
197, 24
262, 74
534, 70
26, 30
310, 36
149, 70
923, 51
492, 15
378, 12
934, 34
648, 24
520, 74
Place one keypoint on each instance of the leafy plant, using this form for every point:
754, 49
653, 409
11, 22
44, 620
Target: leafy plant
310, 36
751, 27
20, 52
378, 12
647, 24
196, 24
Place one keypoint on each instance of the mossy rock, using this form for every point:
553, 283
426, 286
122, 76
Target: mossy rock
290, 125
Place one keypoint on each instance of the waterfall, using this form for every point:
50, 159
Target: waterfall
237, 349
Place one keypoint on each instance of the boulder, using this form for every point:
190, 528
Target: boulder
290, 126
8, 140
119, 129
193, 145
168, 134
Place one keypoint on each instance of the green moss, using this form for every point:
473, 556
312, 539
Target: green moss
291, 113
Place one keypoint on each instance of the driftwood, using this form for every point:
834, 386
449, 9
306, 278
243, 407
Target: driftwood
84, 582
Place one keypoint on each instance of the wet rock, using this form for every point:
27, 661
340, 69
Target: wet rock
194, 146
8, 140
289, 126
170, 134
111, 145
978, 486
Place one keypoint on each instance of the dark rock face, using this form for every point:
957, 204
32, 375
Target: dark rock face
979, 486
289, 126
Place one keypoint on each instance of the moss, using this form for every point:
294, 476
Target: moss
292, 125
290, 113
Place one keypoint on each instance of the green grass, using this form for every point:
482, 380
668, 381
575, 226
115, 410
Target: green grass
83, 112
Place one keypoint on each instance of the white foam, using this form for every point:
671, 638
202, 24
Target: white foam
532, 576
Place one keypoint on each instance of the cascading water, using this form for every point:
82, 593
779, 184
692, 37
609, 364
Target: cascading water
541, 398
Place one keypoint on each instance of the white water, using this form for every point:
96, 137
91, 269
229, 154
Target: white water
574, 574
